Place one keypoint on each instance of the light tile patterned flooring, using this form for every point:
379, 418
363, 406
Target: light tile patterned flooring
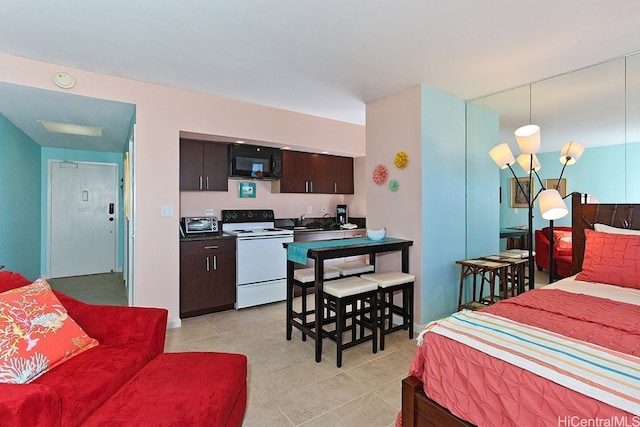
286, 386
107, 288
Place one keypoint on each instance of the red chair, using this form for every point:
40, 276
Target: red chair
562, 251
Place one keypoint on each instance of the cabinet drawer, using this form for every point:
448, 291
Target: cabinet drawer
207, 246
355, 233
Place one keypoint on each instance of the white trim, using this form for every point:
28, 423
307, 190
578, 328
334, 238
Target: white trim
175, 323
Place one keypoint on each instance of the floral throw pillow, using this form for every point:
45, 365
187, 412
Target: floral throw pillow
36, 333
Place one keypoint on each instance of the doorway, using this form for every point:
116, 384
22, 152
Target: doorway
82, 218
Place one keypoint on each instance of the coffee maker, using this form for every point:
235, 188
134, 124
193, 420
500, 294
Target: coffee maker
342, 216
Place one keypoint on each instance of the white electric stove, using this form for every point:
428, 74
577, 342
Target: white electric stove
261, 259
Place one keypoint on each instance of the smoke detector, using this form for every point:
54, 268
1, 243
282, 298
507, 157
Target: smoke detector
64, 80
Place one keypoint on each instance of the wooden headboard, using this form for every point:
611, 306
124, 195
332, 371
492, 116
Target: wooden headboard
584, 215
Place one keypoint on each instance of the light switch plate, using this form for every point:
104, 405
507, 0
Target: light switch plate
323, 209
166, 210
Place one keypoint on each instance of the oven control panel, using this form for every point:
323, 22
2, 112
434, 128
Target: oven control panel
247, 215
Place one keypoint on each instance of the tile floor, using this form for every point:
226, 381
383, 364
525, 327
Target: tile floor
107, 288
286, 386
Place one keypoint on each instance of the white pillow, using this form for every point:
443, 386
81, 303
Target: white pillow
614, 230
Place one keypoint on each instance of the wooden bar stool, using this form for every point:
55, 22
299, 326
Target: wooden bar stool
390, 282
353, 268
304, 279
354, 302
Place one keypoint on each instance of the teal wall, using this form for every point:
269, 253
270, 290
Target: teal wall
20, 215
632, 173
600, 171
483, 182
77, 155
443, 198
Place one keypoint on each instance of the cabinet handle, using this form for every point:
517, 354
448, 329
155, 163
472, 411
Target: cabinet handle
200, 182
215, 263
211, 247
207, 183
311, 186
306, 186
335, 187
207, 263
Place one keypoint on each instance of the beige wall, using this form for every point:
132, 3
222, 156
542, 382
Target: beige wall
161, 114
394, 124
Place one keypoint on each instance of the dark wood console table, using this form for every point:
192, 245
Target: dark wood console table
323, 250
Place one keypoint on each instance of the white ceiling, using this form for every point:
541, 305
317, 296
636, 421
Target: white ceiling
326, 58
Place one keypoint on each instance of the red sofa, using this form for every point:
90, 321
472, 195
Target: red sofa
562, 253
127, 380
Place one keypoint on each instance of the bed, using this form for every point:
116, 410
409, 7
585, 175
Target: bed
460, 377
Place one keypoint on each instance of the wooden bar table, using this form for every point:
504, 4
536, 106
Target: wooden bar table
323, 250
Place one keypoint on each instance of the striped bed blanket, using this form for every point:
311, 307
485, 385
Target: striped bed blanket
600, 373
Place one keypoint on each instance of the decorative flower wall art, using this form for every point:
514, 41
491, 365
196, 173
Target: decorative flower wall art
402, 160
380, 174
393, 185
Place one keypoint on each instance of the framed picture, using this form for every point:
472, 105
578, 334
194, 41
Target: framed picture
247, 190
519, 199
553, 183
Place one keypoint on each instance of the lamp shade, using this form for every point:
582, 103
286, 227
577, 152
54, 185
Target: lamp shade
502, 155
528, 138
571, 152
529, 163
551, 205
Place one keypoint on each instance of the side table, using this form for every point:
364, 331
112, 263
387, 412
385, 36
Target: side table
515, 274
488, 271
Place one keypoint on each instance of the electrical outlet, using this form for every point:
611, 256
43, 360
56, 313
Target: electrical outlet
310, 209
515, 211
324, 209
209, 212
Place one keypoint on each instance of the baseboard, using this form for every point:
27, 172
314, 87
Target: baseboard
175, 323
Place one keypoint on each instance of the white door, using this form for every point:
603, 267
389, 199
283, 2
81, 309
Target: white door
83, 208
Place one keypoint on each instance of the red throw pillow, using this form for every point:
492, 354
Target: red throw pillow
562, 241
36, 333
611, 258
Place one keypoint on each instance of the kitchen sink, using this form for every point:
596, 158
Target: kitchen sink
307, 228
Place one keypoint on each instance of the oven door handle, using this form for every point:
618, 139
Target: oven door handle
285, 236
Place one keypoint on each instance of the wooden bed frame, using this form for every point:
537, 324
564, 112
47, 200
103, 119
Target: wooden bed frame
417, 409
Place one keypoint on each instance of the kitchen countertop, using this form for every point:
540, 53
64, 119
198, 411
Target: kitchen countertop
322, 230
206, 236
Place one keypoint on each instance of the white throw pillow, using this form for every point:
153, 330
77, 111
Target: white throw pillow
615, 230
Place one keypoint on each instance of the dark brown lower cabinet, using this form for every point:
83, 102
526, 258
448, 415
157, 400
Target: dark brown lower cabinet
207, 276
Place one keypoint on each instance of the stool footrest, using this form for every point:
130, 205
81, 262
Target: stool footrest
353, 267
389, 278
308, 275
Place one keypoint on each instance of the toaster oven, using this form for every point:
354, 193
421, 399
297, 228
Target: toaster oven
205, 224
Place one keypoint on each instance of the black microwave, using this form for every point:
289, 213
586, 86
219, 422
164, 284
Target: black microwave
254, 162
